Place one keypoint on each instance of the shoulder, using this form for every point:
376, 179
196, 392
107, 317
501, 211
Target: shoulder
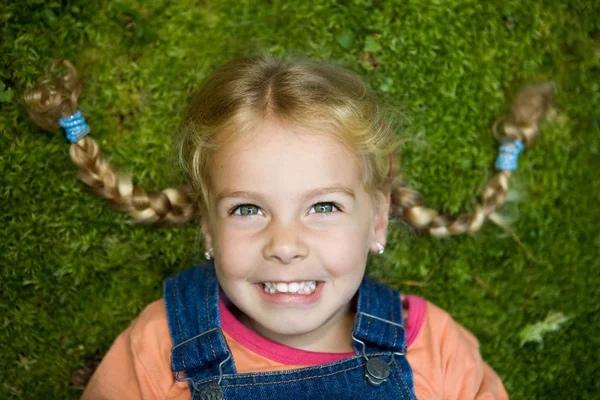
439, 333
151, 344
446, 360
151, 324
137, 366
150, 339
439, 322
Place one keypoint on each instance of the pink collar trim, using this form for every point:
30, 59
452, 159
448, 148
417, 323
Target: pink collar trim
417, 307
291, 356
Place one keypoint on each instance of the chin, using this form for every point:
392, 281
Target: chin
291, 327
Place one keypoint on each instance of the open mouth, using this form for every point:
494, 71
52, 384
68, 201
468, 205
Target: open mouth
302, 287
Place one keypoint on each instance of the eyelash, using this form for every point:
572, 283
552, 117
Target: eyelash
337, 207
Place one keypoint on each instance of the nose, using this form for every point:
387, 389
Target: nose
285, 244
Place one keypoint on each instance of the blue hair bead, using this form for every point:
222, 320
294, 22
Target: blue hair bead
509, 154
75, 126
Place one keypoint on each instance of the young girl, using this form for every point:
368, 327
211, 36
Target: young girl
290, 170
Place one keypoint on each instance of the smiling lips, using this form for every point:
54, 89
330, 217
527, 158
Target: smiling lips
307, 293
301, 288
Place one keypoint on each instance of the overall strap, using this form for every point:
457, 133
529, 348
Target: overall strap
192, 304
379, 323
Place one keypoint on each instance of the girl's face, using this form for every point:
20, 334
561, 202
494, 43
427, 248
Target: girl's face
287, 211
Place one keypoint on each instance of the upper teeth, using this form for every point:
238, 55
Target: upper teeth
306, 287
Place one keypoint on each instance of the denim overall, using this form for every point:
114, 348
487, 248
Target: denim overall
201, 356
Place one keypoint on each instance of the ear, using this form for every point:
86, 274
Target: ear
381, 220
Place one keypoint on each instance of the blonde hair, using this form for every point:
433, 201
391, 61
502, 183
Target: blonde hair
247, 91
55, 97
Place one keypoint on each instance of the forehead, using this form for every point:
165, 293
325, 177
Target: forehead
282, 160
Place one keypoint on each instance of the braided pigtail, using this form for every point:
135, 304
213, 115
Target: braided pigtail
53, 103
520, 129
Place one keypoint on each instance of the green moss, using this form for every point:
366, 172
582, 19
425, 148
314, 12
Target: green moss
75, 273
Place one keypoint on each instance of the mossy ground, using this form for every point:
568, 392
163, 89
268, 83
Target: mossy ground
75, 273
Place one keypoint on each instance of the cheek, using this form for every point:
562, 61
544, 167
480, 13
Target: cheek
356, 235
231, 280
233, 250
345, 250
230, 272
229, 235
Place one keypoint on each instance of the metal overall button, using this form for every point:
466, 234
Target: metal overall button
377, 371
212, 392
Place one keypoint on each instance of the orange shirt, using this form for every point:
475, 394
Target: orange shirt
443, 355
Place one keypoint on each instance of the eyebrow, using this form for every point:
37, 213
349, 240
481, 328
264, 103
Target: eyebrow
308, 195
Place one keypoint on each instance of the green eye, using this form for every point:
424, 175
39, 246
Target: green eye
246, 210
323, 208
